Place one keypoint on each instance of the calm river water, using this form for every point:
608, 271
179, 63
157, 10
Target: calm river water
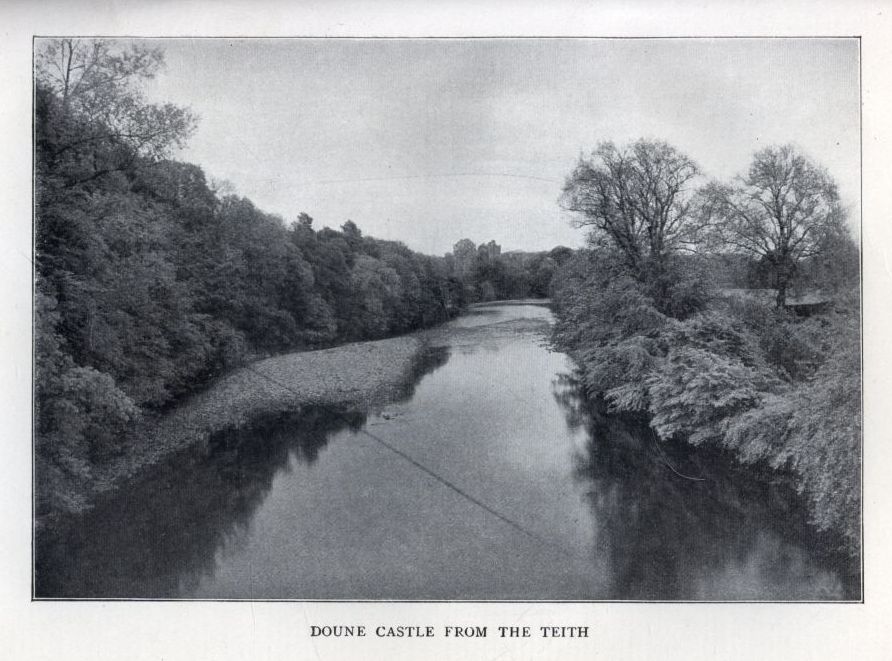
490, 479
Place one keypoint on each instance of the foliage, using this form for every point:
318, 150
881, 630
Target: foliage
682, 287
774, 388
81, 413
150, 282
794, 347
814, 430
639, 198
782, 211
91, 91
758, 435
695, 391
835, 267
487, 274
610, 326
824, 443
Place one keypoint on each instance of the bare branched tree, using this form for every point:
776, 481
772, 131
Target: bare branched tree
781, 211
638, 198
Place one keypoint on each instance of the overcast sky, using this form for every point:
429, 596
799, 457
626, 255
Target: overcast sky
430, 141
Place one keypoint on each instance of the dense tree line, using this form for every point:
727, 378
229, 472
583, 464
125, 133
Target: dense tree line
488, 274
150, 280
646, 312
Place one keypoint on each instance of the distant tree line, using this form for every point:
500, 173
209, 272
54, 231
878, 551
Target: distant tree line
647, 313
488, 274
150, 279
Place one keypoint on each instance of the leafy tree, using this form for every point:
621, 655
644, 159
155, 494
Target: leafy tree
91, 91
542, 270
561, 255
824, 443
835, 268
782, 211
151, 280
814, 429
776, 389
487, 274
376, 288
695, 391
639, 200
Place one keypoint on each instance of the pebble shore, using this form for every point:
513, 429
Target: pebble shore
358, 374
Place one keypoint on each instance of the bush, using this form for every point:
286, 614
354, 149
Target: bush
610, 326
760, 434
771, 387
795, 347
824, 441
88, 412
694, 392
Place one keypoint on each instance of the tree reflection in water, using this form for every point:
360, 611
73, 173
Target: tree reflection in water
655, 535
724, 535
160, 535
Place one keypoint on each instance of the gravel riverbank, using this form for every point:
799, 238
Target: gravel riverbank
359, 374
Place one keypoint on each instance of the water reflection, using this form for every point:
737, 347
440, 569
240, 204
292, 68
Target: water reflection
305, 506
678, 525
161, 536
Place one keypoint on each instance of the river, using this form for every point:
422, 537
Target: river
491, 479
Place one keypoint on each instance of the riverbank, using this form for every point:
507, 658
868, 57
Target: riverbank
777, 391
360, 374
341, 503
514, 301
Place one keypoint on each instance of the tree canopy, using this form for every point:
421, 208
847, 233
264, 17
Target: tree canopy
150, 280
92, 90
639, 198
782, 211
705, 367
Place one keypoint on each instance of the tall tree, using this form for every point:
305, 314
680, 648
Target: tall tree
782, 212
639, 199
93, 92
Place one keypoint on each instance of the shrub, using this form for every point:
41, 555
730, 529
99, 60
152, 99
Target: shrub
761, 382
824, 441
795, 347
694, 392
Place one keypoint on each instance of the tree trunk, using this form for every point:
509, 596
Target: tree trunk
781, 298
783, 283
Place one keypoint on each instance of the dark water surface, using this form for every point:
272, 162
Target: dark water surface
534, 496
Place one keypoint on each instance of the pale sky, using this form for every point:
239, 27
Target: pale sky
431, 141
